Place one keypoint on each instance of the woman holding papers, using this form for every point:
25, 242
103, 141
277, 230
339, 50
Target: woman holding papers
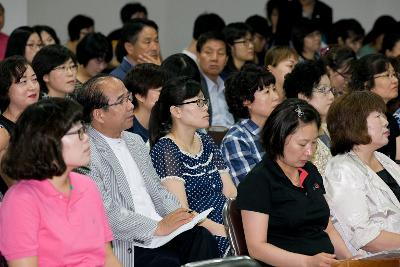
284, 212
187, 160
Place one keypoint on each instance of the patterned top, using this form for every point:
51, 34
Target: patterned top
200, 173
322, 154
241, 148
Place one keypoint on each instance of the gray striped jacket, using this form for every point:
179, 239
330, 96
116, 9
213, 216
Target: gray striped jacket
129, 228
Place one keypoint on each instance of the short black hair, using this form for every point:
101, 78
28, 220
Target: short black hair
11, 70
304, 77
91, 96
284, 120
143, 77
49, 30
35, 150
47, 59
338, 57
242, 85
130, 9
364, 69
130, 32
17, 41
344, 29
259, 25
205, 37
381, 26
181, 64
93, 45
236, 30
300, 30
76, 24
207, 22
389, 41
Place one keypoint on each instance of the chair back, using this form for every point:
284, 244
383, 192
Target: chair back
234, 228
217, 133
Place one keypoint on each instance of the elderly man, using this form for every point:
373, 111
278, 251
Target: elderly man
138, 207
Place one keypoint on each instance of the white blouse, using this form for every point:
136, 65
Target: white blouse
361, 203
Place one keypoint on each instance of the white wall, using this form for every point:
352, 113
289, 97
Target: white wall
174, 17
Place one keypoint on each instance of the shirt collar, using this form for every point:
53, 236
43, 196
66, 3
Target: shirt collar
210, 83
251, 126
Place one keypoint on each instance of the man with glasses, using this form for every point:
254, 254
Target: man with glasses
56, 69
212, 57
138, 44
138, 207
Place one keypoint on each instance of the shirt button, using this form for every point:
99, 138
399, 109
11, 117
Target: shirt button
129, 250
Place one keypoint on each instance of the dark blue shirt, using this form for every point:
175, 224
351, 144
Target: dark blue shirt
137, 128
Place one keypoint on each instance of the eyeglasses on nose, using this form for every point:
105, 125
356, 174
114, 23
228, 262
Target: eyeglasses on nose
201, 102
246, 42
81, 132
65, 68
32, 46
325, 90
122, 100
389, 75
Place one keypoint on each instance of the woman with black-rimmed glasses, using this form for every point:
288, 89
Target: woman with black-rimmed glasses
188, 162
52, 216
56, 69
309, 82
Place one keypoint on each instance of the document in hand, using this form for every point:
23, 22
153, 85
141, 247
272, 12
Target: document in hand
158, 241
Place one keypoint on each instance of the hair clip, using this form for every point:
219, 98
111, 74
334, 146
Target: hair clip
299, 112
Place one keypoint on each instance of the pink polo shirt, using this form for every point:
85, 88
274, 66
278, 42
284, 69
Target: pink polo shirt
37, 220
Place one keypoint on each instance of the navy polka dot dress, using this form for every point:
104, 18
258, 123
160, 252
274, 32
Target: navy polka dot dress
200, 174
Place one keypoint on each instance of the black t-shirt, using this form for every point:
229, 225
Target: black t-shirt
9, 126
298, 216
390, 181
390, 149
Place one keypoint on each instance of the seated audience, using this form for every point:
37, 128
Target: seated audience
78, 27
188, 162
138, 44
375, 73
206, 22
285, 216
239, 38
24, 41
3, 36
309, 82
347, 32
93, 53
212, 56
47, 35
251, 97
52, 216
144, 82
373, 40
55, 67
306, 39
19, 88
261, 37
362, 184
280, 60
280, 18
181, 64
337, 62
139, 208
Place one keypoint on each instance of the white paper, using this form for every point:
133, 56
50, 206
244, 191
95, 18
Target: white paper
387, 254
158, 241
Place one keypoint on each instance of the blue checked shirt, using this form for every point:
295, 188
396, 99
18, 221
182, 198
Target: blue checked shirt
241, 148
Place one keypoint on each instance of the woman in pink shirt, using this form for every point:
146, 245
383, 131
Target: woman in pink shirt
52, 216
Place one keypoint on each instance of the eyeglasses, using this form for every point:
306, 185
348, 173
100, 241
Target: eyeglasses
32, 46
246, 42
65, 69
81, 132
389, 75
122, 100
325, 90
201, 102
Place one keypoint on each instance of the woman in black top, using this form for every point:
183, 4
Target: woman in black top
284, 212
18, 89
